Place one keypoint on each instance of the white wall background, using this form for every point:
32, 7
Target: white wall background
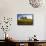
10, 8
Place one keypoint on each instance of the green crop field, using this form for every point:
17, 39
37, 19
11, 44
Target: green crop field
25, 22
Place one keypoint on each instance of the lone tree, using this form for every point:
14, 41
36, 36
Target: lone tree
23, 17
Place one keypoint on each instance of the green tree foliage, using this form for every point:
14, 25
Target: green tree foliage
23, 17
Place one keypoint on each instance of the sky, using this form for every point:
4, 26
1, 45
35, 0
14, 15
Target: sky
29, 16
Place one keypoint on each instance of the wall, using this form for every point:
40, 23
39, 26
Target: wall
10, 8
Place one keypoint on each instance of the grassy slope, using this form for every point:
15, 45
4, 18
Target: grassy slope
25, 21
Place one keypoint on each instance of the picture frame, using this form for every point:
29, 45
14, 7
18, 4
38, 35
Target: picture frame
24, 19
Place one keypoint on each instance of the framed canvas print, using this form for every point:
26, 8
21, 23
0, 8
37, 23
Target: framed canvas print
24, 19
